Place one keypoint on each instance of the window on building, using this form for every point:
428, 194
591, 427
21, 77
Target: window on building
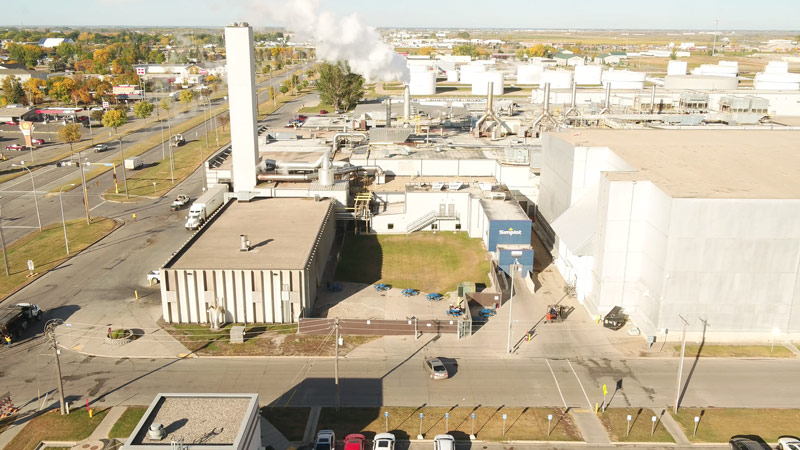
433, 227
458, 226
390, 226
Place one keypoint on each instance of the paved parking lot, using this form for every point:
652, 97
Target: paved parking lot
359, 301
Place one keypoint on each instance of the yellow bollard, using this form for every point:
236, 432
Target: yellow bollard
598, 316
136, 293
91, 411
596, 407
134, 216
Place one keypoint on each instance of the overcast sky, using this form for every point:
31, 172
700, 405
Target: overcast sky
614, 14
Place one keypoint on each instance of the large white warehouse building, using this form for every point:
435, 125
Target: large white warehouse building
704, 224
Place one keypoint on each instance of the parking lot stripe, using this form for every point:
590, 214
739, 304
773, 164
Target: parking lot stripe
588, 402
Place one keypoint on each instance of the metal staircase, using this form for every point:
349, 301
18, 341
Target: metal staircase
427, 219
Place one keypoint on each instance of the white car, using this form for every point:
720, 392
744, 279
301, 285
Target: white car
444, 442
788, 443
383, 441
326, 440
154, 276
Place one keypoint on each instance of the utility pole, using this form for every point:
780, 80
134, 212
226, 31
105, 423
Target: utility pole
85, 191
336, 361
680, 369
714, 48
50, 331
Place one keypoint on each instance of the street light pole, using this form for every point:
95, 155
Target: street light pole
124, 174
64, 222
35, 201
680, 368
85, 190
513, 268
3, 243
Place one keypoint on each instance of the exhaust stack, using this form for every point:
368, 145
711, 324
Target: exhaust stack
607, 105
573, 103
245, 243
407, 104
489, 120
545, 115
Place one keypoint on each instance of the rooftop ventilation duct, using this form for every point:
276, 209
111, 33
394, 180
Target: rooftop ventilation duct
157, 432
245, 243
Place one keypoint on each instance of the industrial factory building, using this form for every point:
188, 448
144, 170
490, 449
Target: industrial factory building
703, 224
258, 261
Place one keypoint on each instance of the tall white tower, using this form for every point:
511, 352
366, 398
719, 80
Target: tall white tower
243, 106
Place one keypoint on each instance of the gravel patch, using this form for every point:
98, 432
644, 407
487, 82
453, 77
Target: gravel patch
199, 420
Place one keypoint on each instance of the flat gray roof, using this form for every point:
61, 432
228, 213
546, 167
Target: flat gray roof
206, 419
503, 209
742, 164
282, 233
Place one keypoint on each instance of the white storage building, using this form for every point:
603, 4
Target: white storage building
466, 72
587, 75
480, 83
529, 73
668, 222
624, 79
677, 68
558, 79
422, 82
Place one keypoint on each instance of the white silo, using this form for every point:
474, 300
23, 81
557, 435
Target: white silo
777, 81
588, 74
677, 68
466, 72
422, 82
558, 79
777, 67
480, 83
529, 73
716, 70
452, 75
624, 79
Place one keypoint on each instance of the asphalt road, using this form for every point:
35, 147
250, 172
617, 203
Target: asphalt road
18, 210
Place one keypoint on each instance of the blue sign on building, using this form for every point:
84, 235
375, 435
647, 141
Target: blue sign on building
516, 232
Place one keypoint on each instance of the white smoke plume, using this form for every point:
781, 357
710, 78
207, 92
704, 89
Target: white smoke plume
342, 39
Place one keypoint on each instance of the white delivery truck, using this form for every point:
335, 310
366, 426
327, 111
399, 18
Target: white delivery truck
204, 206
133, 163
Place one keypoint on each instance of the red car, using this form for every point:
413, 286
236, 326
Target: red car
354, 442
11, 122
15, 147
37, 141
323, 111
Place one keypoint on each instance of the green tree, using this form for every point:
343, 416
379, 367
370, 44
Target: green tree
143, 110
114, 118
338, 86
272, 95
284, 89
224, 120
463, 35
466, 50
166, 105
97, 116
70, 133
186, 96
12, 89
674, 55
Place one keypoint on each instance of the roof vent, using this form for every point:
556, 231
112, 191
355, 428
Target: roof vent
245, 243
157, 432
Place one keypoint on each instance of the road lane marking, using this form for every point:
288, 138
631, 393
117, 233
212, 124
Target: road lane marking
588, 402
557, 385
95, 206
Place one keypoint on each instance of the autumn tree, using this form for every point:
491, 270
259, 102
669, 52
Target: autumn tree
33, 86
143, 110
97, 116
186, 96
114, 118
70, 133
224, 120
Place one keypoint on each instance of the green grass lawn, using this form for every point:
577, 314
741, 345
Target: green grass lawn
46, 249
422, 260
615, 420
52, 426
127, 422
737, 351
521, 423
260, 339
720, 424
291, 422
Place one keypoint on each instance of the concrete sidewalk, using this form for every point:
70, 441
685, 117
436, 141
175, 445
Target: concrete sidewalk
102, 430
86, 332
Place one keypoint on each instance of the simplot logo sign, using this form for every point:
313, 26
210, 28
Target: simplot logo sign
510, 232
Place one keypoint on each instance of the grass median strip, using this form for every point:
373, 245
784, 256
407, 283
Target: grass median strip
615, 420
720, 424
736, 351
47, 249
404, 422
52, 426
260, 340
127, 422
155, 180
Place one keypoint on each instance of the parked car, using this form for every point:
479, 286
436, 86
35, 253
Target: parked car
37, 141
435, 368
323, 111
179, 202
294, 123
11, 122
302, 117
97, 108
154, 276
100, 147
444, 442
788, 443
326, 440
383, 441
748, 443
354, 442
15, 147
